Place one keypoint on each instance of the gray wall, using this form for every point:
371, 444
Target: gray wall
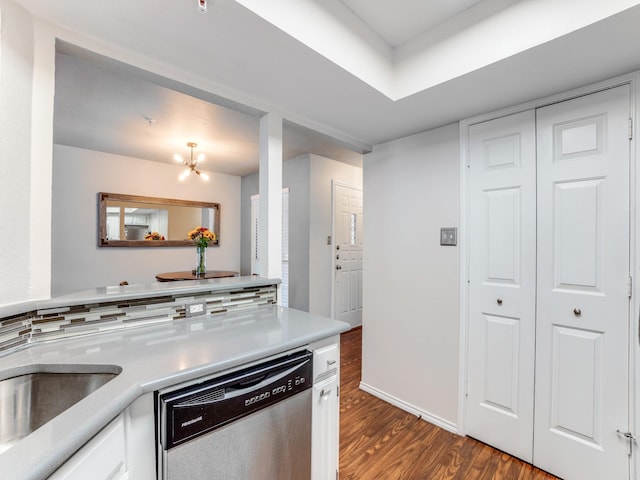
295, 176
249, 186
78, 263
309, 178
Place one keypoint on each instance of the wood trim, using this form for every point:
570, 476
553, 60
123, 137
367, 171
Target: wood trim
103, 197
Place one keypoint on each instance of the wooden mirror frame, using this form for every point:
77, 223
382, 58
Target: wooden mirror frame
103, 197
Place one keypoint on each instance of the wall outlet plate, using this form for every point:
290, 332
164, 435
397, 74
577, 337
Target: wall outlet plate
449, 236
193, 309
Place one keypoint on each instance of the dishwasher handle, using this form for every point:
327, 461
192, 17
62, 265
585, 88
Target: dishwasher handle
241, 387
249, 383
198, 409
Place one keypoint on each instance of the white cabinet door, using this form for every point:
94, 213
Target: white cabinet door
102, 458
141, 438
582, 346
325, 428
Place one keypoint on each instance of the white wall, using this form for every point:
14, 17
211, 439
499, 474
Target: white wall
26, 119
411, 283
78, 175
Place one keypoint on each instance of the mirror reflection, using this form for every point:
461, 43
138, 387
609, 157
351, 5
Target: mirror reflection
136, 221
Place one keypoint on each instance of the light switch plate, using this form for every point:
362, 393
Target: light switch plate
449, 236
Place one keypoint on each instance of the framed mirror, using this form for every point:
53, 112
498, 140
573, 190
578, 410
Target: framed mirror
137, 221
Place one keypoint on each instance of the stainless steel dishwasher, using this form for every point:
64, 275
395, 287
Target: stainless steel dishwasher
253, 424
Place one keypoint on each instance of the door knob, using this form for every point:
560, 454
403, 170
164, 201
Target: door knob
577, 312
338, 267
499, 301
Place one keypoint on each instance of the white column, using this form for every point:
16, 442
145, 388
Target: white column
41, 160
26, 119
270, 188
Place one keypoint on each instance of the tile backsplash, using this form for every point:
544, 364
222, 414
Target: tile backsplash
63, 322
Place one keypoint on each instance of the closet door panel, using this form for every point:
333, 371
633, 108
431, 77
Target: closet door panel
582, 342
503, 241
575, 408
502, 283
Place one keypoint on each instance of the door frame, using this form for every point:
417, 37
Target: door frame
633, 80
334, 184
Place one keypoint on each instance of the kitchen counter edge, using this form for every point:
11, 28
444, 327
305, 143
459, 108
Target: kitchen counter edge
89, 417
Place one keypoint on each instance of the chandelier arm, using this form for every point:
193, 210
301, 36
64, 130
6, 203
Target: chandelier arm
191, 164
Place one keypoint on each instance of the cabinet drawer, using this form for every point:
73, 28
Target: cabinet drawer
325, 360
102, 458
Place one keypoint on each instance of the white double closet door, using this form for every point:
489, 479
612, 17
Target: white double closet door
548, 355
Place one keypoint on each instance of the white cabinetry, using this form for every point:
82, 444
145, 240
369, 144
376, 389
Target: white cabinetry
132, 219
326, 409
140, 424
326, 404
102, 458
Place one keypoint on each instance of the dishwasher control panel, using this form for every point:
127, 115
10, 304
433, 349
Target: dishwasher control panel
197, 409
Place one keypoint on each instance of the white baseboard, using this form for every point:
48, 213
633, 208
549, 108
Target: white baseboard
407, 407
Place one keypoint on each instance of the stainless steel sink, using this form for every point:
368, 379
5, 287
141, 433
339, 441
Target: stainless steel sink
39, 393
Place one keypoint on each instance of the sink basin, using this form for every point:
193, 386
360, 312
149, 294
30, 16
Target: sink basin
38, 393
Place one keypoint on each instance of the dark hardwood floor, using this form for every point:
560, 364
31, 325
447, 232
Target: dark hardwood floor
380, 441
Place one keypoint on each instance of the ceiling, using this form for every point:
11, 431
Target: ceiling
109, 107
398, 22
344, 74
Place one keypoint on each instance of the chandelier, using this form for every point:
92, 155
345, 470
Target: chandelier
191, 164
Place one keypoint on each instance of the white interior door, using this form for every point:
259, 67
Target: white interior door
502, 211
348, 248
582, 363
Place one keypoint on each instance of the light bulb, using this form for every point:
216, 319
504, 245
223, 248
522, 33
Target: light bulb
178, 158
185, 174
200, 157
204, 175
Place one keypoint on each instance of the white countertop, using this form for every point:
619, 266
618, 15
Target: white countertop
151, 357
